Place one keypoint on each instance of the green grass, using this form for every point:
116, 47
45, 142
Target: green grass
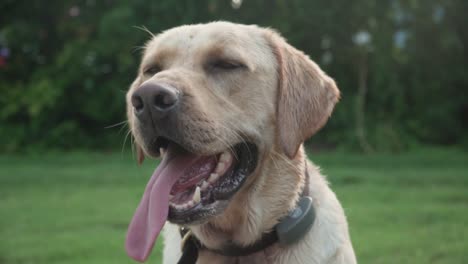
75, 208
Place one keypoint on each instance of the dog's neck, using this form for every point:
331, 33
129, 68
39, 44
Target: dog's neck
258, 207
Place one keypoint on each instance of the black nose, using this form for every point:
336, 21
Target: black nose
155, 100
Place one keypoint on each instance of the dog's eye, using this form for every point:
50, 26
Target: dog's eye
152, 70
226, 65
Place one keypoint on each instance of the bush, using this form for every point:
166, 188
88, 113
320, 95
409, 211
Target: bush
65, 66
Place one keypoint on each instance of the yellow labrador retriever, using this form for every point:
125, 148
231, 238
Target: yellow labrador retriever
227, 107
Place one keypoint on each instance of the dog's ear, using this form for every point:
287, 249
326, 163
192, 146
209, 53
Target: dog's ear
140, 154
306, 95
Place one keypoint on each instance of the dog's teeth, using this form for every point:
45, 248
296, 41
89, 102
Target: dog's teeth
162, 151
226, 156
197, 195
171, 196
220, 167
204, 185
213, 177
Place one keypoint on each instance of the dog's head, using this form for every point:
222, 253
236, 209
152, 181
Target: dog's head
213, 100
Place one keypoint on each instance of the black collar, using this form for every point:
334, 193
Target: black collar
290, 229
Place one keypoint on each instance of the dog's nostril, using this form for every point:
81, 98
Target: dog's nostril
137, 103
165, 99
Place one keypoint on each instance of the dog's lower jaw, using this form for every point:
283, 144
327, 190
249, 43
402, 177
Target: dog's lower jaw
258, 206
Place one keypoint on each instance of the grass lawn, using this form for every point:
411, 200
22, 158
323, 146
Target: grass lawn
75, 207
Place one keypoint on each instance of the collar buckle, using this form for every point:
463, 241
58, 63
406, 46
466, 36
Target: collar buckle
297, 223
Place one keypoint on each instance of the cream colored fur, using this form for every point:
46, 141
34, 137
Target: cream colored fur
278, 100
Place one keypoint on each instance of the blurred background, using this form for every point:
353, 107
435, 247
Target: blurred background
395, 148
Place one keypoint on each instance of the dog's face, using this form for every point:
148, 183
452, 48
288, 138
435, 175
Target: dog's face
219, 75
215, 100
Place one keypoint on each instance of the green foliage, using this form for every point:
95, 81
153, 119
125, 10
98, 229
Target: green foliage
70, 63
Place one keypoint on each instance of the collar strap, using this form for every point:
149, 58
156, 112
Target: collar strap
290, 229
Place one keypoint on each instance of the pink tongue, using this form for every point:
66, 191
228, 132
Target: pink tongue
152, 212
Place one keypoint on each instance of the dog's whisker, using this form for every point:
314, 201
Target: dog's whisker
116, 124
137, 48
145, 29
241, 138
287, 161
123, 127
274, 161
125, 140
234, 135
226, 144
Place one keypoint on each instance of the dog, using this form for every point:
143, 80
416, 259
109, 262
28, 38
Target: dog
227, 108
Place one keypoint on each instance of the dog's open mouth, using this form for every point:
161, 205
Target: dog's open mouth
206, 186
186, 189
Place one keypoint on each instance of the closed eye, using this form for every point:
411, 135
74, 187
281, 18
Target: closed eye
226, 65
152, 70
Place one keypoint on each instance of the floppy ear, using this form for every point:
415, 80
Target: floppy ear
140, 154
306, 95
